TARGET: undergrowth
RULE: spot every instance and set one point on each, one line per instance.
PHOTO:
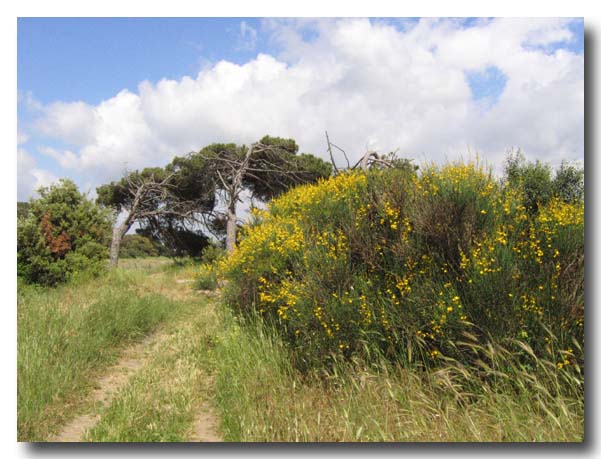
(262, 397)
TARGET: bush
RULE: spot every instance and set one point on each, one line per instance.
(206, 278)
(63, 233)
(568, 184)
(407, 265)
(533, 181)
(212, 253)
(137, 246)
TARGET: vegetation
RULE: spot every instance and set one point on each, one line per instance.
(444, 306)
(67, 335)
(408, 264)
(156, 197)
(137, 246)
(160, 402)
(169, 202)
(387, 304)
(62, 234)
(262, 397)
(536, 184)
(22, 209)
(265, 169)
(172, 239)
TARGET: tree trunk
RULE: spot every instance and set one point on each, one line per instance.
(233, 191)
(118, 233)
(365, 159)
(230, 238)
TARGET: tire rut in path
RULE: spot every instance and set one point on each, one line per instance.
(204, 427)
(131, 360)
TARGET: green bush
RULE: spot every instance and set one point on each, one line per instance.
(63, 234)
(533, 181)
(407, 264)
(568, 183)
(212, 253)
(137, 246)
(206, 279)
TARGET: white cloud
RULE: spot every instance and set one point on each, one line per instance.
(21, 137)
(247, 37)
(367, 83)
(72, 122)
(66, 158)
(29, 176)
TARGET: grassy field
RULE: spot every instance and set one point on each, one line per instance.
(69, 335)
(201, 359)
(262, 398)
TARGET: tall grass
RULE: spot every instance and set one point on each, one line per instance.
(261, 396)
(67, 334)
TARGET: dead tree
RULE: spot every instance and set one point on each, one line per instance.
(330, 145)
(266, 169)
(143, 195)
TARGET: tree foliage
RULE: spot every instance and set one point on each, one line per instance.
(173, 202)
(22, 209)
(569, 182)
(62, 234)
(173, 238)
(154, 196)
(138, 246)
(538, 186)
(266, 169)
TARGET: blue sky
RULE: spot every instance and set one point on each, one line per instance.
(430, 88)
(92, 59)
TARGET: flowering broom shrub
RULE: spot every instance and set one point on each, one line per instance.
(410, 264)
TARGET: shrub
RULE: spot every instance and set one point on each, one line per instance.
(206, 279)
(63, 233)
(568, 183)
(212, 253)
(533, 181)
(173, 240)
(409, 264)
(137, 246)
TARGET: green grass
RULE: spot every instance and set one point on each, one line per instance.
(261, 397)
(159, 402)
(68, 334)
(149, 264)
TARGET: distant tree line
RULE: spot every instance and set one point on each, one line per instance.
(175, 207)
(178, 207)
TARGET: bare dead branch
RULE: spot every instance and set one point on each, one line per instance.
(331, 155)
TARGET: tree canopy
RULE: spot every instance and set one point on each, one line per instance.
(265, 169)
(155, 197)
(62, 233)
(171, 202)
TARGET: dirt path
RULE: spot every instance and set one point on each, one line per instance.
(205, 425)
(131, 360)
(134, 358)
(204, 428)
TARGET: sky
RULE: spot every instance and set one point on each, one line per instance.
(99, 96)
